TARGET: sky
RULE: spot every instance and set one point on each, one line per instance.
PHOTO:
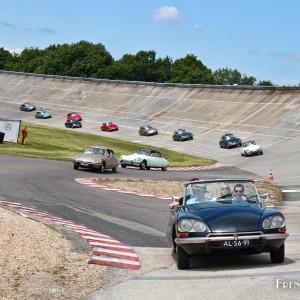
(259, 38)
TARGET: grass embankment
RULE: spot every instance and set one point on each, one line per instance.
(59, 144)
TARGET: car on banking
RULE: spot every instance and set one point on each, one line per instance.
(73, 124)
(182, 135)
(215, 224)
(74, 116)
(98, 158)
(43, 114)
(27, 106)
(251, 148)
(228, 140)
(109, 126)
(147, 130)
(144, 158)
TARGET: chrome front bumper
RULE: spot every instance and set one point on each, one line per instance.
(203, 240)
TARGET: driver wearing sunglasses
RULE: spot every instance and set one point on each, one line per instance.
(238, 192)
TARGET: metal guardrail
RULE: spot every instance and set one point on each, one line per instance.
(179, 85)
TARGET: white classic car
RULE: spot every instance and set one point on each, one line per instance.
(251, 148)
(144, 159)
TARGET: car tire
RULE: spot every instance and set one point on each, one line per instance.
(180, 139)
(101, 169)
(183, 259)
(164, 169)
(147, 168)
(76, 167)
(143, 165)
(261, 152)
(227, 146)
(123, 166)
(277, 256)
(114, 170)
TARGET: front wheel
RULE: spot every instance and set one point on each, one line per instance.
(123, 166)
(114, 170)
(143, 165)
(277, 256)
(101, 169)
(183, 259)
(76, 167)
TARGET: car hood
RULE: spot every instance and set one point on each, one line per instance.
(88, 157)
(185, 134)
(229, 217)
(132, 156)
(252, 147)
(234, 139)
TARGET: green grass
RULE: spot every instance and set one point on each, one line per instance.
(59, 144)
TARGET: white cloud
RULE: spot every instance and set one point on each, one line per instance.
(47, 30)
(286, 55)
(167, 14)
(198, 27)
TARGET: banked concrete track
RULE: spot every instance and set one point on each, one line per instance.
(270, 115)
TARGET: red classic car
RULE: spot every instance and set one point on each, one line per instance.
(109, 126)
(74, 116)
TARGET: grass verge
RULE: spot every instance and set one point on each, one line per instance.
(60, 144)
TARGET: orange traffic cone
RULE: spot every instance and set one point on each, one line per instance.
(270, 175)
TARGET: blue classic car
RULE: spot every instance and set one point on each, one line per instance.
(42, 114)
(228, 140)
(219, 217)
(182, 135)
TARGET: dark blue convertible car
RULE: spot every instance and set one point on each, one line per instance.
(218, 217)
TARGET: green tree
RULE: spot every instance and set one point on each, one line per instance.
(5, 58)
(265, 83)
(82, 59)
(190, 70)
(227, 76)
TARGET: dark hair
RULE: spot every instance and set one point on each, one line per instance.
(239, 185)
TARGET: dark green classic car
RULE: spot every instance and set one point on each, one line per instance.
(182, 135)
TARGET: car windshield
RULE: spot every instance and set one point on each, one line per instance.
(220, 192)
(93, 150)
(142, 151)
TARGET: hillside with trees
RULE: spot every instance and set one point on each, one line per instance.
(88, 60)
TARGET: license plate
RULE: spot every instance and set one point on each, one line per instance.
(235, 244)
(84, 164)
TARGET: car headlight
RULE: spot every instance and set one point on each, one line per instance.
(76, 157)
(137, 160)
(276, 221)
(190, 225)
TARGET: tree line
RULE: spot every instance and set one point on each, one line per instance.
(88, 60)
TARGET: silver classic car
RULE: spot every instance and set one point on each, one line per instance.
(148, 130)
(144, 159)
(96, 157)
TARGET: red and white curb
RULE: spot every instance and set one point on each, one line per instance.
(195, 168)
(90, 182)
(106, 250)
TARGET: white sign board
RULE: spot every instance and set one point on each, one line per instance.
(11, 129)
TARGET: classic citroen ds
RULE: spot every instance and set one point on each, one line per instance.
(96, 157)
(218, 217)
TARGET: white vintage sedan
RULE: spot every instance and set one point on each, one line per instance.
(144, 159)
(251, 148)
